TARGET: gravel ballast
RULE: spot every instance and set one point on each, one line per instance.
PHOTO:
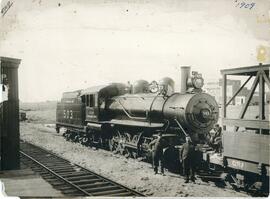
(129, 172)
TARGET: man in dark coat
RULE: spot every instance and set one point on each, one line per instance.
(215, 139)
(187, 155)
(157, 153)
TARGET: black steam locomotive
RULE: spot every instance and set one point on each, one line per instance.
(126, 118)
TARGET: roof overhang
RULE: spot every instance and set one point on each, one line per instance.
(12, 62)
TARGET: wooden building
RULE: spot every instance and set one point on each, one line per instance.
(9, 114)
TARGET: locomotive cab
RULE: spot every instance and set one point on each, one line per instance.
(96, 100)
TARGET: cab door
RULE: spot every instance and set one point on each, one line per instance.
(92, 107)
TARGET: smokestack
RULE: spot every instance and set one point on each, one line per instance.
(185, 73)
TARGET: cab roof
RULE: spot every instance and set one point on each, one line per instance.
(107, 90)
(93, 89)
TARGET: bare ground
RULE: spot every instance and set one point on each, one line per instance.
(129, 172)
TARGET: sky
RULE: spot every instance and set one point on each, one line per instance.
(73, 44)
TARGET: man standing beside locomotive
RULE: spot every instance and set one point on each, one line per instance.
(158, 153)
(215, 139)
(187, 155)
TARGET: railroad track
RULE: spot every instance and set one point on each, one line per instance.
(71, 179)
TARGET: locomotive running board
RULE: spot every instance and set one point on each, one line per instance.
(69, 125)
(136, 123)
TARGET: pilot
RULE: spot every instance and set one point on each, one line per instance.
(158, 152)
(187, 156)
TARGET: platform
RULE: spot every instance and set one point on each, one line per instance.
(27, 184)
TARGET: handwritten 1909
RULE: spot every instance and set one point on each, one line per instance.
(244, 4)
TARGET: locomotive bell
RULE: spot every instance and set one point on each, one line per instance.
(167, 84)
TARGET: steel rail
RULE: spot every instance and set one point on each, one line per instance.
(34, 149)
(66, 181)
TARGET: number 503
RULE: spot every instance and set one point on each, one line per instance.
(68, 114)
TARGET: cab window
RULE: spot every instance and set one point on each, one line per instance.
(87, 100)
(83, 99)
(91, 100)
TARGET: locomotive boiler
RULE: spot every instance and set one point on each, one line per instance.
(126, 118)
(193, 111)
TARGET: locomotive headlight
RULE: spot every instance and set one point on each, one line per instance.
(198, 82)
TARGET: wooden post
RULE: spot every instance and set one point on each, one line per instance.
(261, 99)
(224, 97)
(1, 115)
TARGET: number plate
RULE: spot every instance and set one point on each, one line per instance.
(237, 164)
